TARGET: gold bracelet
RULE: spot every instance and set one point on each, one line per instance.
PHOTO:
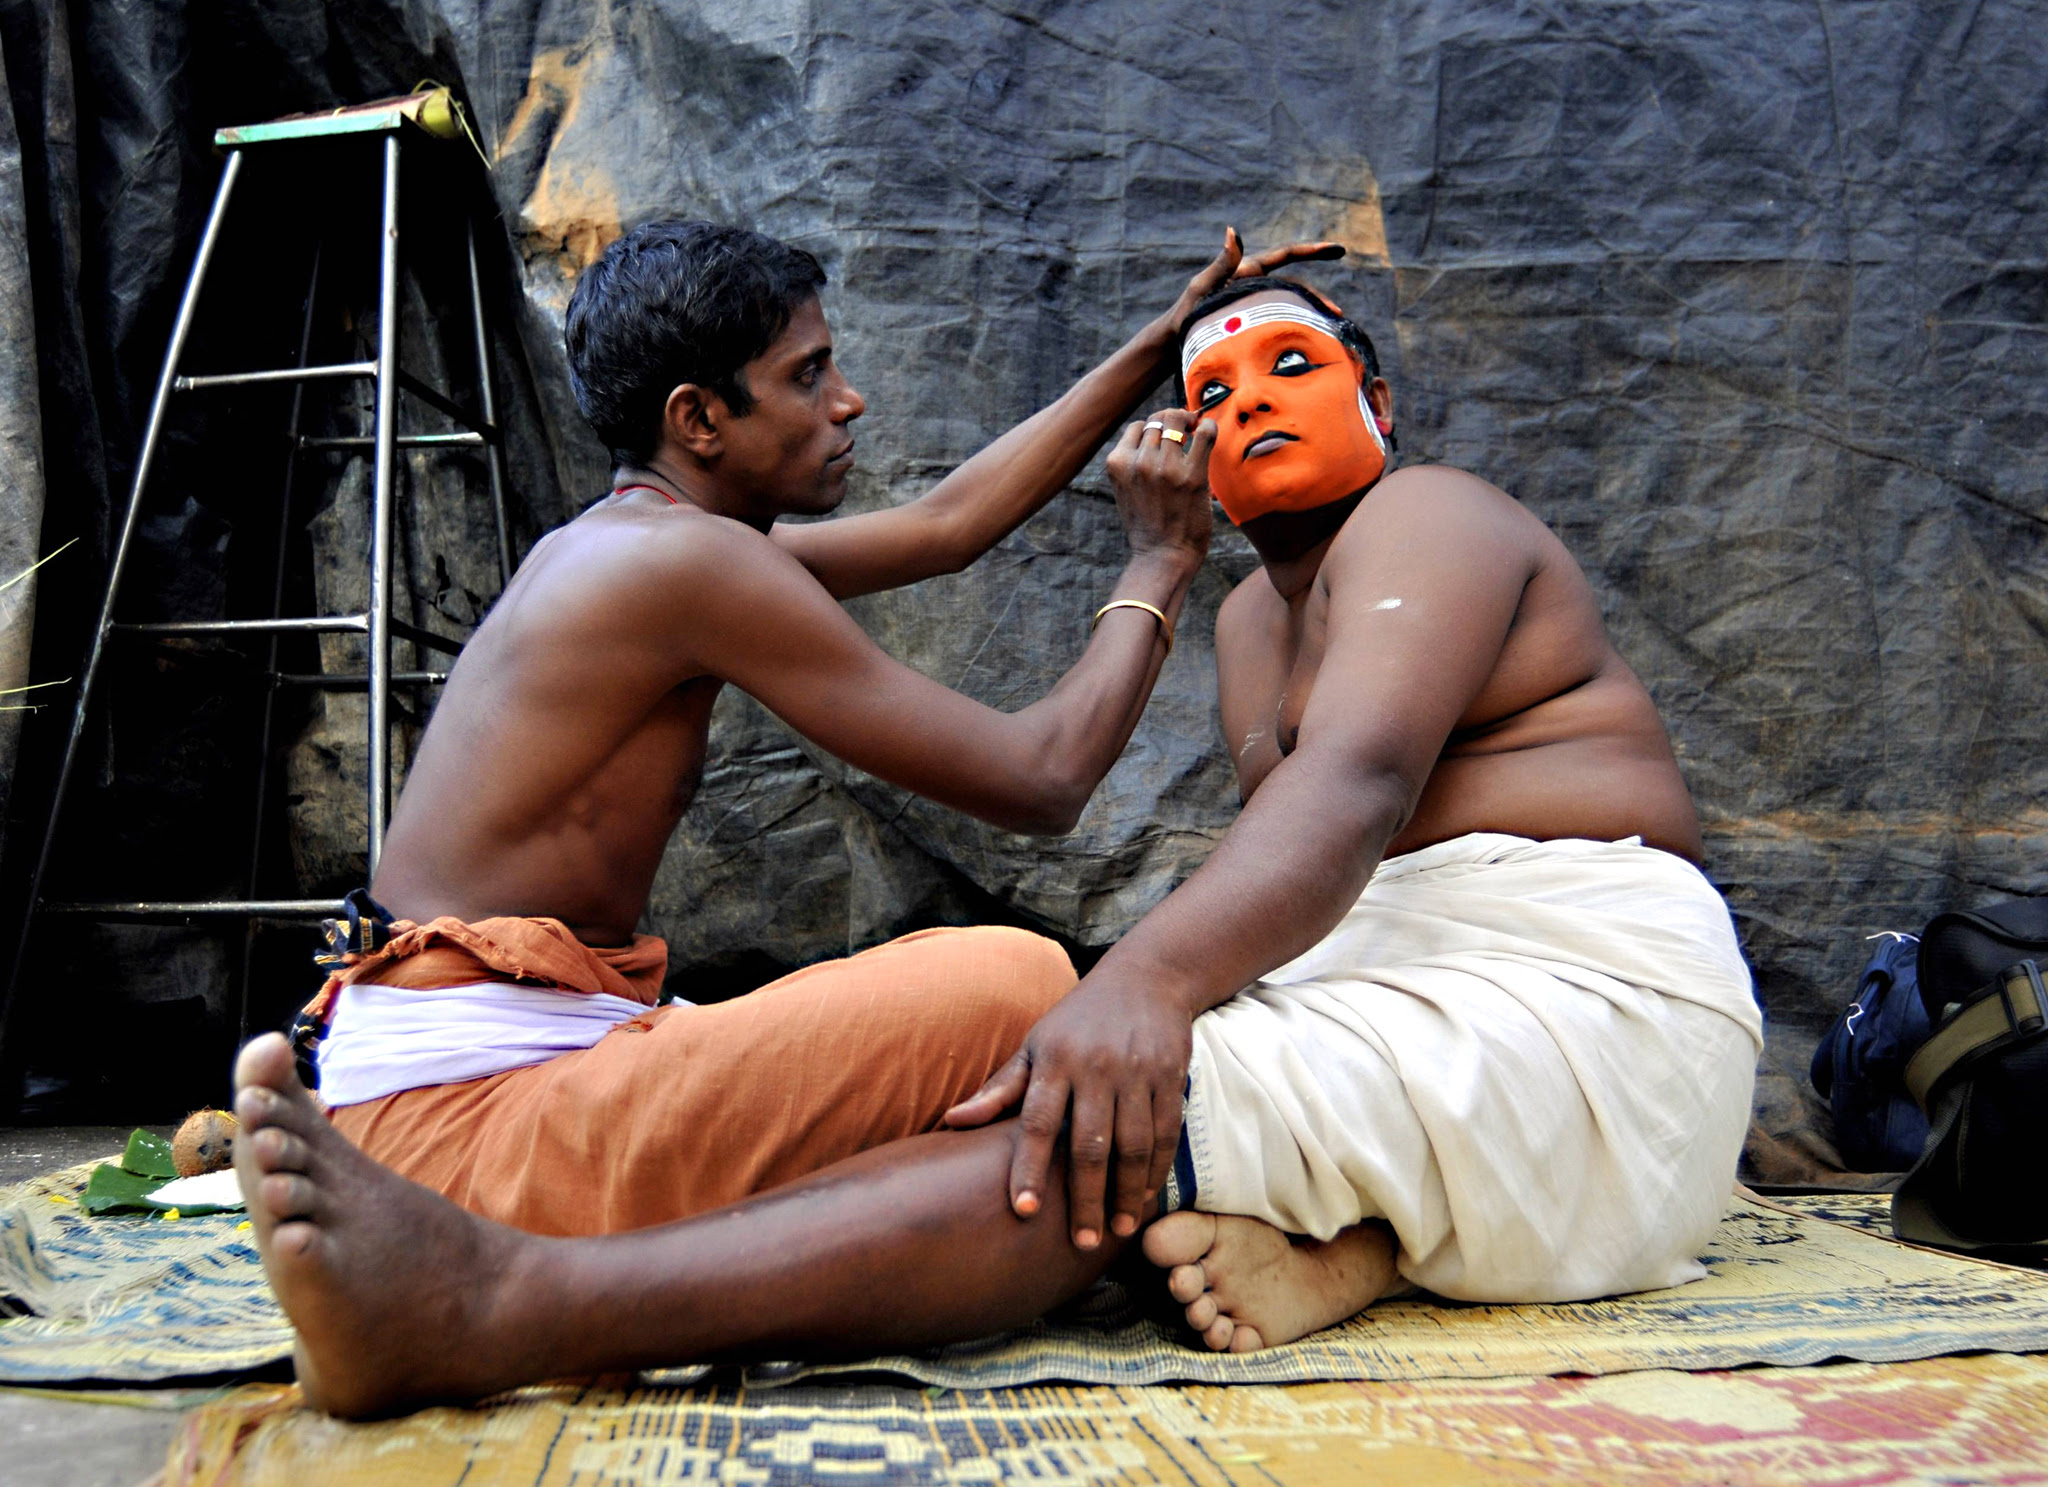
(1165, 626)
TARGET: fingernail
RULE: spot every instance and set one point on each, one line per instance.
(1027, 1204)
(1123, 1226)
(1086, 1238)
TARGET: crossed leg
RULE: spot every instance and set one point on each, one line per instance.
(400, 1298)
(1246, 1285)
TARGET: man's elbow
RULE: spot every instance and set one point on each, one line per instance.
(1382, 802)
(1049, 805)
(1045, 818)
(1358, 801)
(948, 546)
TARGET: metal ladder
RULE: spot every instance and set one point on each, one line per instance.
(397, 124)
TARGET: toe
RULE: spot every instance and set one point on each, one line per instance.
(1218, 1334)
(1246, 1340)
(258, 1105)
(294, 1241)
(265, 1061)
(1179, 1239)
(1202, 1313)
(1186, 1282)
(278, 1150)
(286, 1195)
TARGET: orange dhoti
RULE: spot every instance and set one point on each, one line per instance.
(685, 1108)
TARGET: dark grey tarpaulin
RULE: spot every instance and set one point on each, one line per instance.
(1747, 301)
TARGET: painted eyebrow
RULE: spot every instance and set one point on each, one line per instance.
(1203, 379)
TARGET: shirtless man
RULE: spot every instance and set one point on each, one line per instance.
(490, 1029)
(1450, 998)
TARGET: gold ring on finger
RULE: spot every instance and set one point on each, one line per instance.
(1174, 434)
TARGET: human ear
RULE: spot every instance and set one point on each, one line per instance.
(1380, 398)
(692, 419)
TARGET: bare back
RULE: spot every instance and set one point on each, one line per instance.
(1561, 739)
(564, 750)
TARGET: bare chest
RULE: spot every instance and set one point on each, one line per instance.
(1267, 674)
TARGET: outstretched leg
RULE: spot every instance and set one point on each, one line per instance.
(1246, 1285)
(400, 1298)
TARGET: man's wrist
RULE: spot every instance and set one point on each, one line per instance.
(1172, 563)
(1159, 336)
(1136, 971)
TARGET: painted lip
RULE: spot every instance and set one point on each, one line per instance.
(1266, 443)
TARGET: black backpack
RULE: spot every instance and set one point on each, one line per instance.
(1859, 1066)
(1982, 1078)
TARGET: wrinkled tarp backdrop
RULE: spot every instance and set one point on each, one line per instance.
(1746, 300)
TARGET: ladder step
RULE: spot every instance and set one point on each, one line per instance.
(282, 374)
(319, 624)
(259, 908)
(357, 681)
(465, 439)
(426, 638)
(447, 405)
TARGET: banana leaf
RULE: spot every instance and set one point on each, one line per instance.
(148, 1156)
(144, 1167)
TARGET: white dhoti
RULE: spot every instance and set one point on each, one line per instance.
(1533, 1060)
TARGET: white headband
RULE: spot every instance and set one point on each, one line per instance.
(1217, 329)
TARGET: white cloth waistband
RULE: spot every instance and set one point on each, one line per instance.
(384, 1039)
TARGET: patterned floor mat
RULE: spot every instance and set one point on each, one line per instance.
(1980, 1420)
(140, 1299)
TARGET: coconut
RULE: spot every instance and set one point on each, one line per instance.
(204, 1143)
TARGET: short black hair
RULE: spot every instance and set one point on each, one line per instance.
(674, 302)
(1349, 332)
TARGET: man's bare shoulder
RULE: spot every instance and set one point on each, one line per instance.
(1427, 517)
(1442, 496)
(666, 561)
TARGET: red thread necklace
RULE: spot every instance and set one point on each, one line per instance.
(620, 490)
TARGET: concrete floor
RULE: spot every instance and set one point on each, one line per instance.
(96, 1437)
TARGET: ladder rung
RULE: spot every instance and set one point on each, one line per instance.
(351, 681)
(426, 638)
(260, 908)
(445, 404)
(282, 374)
(319, 624)
(465, 438)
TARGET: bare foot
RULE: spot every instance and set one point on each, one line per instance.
(392, 1288)
(1246, 1285)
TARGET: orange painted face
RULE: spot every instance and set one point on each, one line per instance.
(1293, 430)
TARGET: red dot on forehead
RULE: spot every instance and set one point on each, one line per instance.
(1233, 325)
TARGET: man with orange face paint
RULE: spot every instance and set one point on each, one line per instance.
(1318, 440)
(1451, 1005)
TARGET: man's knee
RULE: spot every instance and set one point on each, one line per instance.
(974, 991)
(996, 965)
(1026, 975)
